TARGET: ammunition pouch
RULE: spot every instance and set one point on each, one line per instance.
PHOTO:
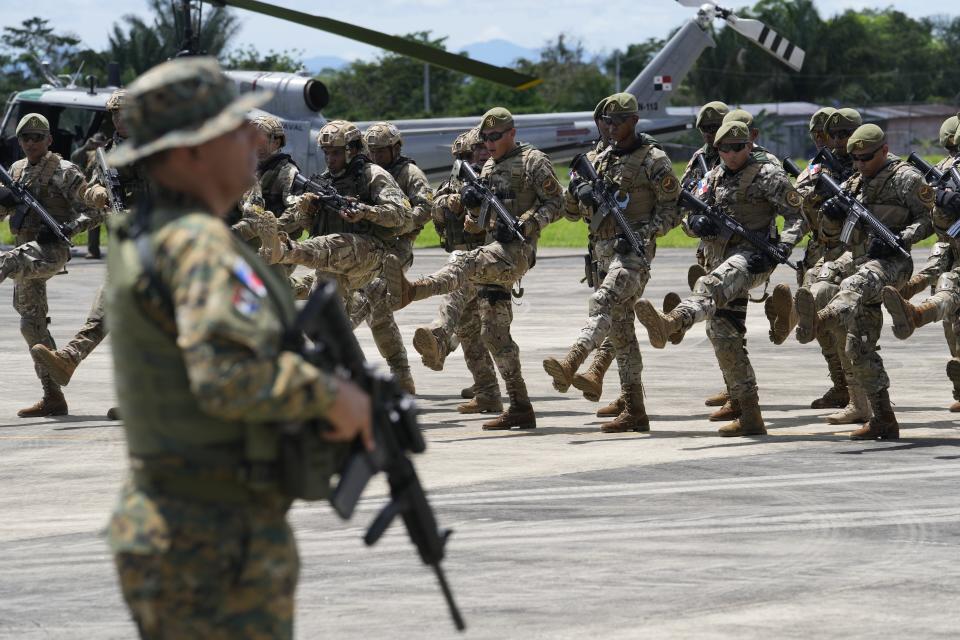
(622, 246)
(307, 462)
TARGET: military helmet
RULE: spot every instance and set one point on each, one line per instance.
(819, 118)
(712, 114)
(382, 134)
(461, 146)
(948, 130)
(116, 100)
(339, 133)
(271, 126)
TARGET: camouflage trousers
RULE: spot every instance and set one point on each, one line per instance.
(30, 265)
(92, 333)
(856, 308)
(720, 298)
(823, 280)
(946, 300)
(611, 309)
(939, 261)
(353, 259)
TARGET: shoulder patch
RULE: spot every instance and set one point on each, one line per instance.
(551, 186)
(926, 194)
(249, 277)
(793, 198)
(669, 183)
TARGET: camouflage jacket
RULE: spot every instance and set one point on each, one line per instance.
(276, 179)
(60, 187)
(414, 184)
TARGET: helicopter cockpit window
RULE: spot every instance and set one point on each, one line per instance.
(70, 127)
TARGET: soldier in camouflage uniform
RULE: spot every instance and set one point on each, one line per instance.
(741, 115)
(458, 320)
(754, 191)
(897, 195)
(351, 244)
(199, 536)
(637, 166)
(275, 169)
(85, 159)
(524, 179)
(62, 363)
(38, 255)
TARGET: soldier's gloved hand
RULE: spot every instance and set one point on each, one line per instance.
(99, 197)
(70, 228)
(575, 183)
(470, 196)
(702, 225)
(786, 248)
(949, 201)
(7, 198)
(529, 227)
(586, 196)
(878, 249)
(759, 262)
(357, 211)
(834, 209)
(307, 203)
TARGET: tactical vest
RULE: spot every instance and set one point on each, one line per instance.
(355, 182)
(270, 183)
(882, 202)
(507, 178)
(753, 212)
(454, 235)
(941, 219)
(40, 184)
(628, 174)
(133, 180)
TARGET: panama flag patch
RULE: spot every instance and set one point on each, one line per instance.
(663, 83)
(703, 188)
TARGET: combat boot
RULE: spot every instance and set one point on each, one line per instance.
(52, 404)
(750, 422)
(670, 302)
(113, 413)
(432, 345)
(907, 317)
(809, 320)
(562, 371)
(405, 380)
(519, 414)
(613, 409)
(717, 399)
(634, 414)
(857, 409)
(467, 392)
(729, 411)
(836, 396)
(915, 285)
(58, 364)
(883, 425)
(953, 372)
(694, 273)
(590, 383)
(780, 313)
(401, 292)
(482, 404)
(660, 327)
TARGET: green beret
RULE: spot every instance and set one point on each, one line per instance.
(33, 123)
(496, 117)
(739, 115)
(621, 103)
(845, 118)
(866, 138)
(733, 131)
(819, 119)
(948, 130)
(598, 110)
(712, 113)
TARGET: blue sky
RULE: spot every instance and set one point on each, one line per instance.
(602, 26)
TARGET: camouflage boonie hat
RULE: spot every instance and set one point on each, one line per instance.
(842, 119)
(496, 117)
(33, 123)
(948, 131)
(621, 103)
(866, 138)
(338, 133)
(598, 110)
(739, 115)
(270, 125)
(712, 113)
(732, 132)
(818, 120)
(181, 103)
(116, 100)
(381, 134)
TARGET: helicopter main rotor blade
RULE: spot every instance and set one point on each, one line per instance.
(774, 44)
(419, 51)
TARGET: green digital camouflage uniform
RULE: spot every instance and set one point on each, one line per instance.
(199, 534)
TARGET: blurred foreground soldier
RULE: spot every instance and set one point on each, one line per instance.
(62, 363)
(899, 198)
(39, 254)
(753, 191)
(638, 167)
(523, 179)
(199, 536)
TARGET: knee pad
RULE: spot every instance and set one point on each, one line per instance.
(706, 285)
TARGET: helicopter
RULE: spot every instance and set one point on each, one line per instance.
(77, 112)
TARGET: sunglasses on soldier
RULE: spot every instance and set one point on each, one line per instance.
(32, 137)
(710, 128)
(492, 136)
(864, 157)
(840, 134)
(616, 120)
(731, 147)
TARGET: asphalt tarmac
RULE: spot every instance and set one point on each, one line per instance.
(562, 532)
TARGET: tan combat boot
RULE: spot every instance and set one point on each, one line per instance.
(780, 313)
(694, 273)
(613, 409)
(56, 363)
(634, 414)
(562, 371)
(806, 307)
(729, 411)
(590, 383)
(52, 404)
(432, 345)
(519, 414)
(916, 284)
(857, 409)
(481, 404)
(883, 425)
(750, 422)
(907, 317)
(717, 399)
(401, 291)
(660, 327)
(670, 302)
(837, 396)
(467, 392)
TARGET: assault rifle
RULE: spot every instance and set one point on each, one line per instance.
(26, 203)
(326, 192)
(730, 226)
(704, 170)
(949, 179)
(609, 203)
(111, 180)
(333, 346)
(466, 173)
(858, 212)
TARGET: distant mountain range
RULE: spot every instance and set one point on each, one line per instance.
(498, 52)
